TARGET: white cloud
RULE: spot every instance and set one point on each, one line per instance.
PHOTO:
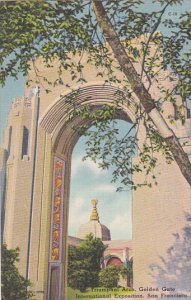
(78, 164)
(121, 227)
(78, 214)
(106, 188)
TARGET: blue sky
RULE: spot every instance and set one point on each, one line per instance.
(12, 89)
(88, 181)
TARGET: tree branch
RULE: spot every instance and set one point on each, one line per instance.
(141, 92)
(151, 35)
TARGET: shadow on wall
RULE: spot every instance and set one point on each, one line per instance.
(174, 271)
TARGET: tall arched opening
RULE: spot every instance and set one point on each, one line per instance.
(95, 207)
(62, 139)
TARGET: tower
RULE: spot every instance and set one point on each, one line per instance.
(17, 172)
(94, 226)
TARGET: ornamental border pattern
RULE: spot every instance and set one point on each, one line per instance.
(57, 210)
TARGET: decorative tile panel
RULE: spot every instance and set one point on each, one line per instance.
(57, 210)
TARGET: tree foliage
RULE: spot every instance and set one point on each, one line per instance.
(127, 271)
(64, 30)
(84, 263)
(13, 285)
(109, 276)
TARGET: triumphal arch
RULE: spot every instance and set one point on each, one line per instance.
(35, 176)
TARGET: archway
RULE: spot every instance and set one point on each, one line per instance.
(114, 261)
(59, 126)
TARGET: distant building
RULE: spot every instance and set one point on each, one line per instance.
(118, 252)
(94, 226)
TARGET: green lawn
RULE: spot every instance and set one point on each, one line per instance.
(72, 294)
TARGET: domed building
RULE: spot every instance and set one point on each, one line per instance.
(94, 226)
(118, 252)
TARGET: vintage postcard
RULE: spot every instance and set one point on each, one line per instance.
(95, 152)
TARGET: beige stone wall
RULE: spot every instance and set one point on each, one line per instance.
(39, 251)
(158, 214)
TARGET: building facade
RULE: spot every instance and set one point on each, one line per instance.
(35, 181)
